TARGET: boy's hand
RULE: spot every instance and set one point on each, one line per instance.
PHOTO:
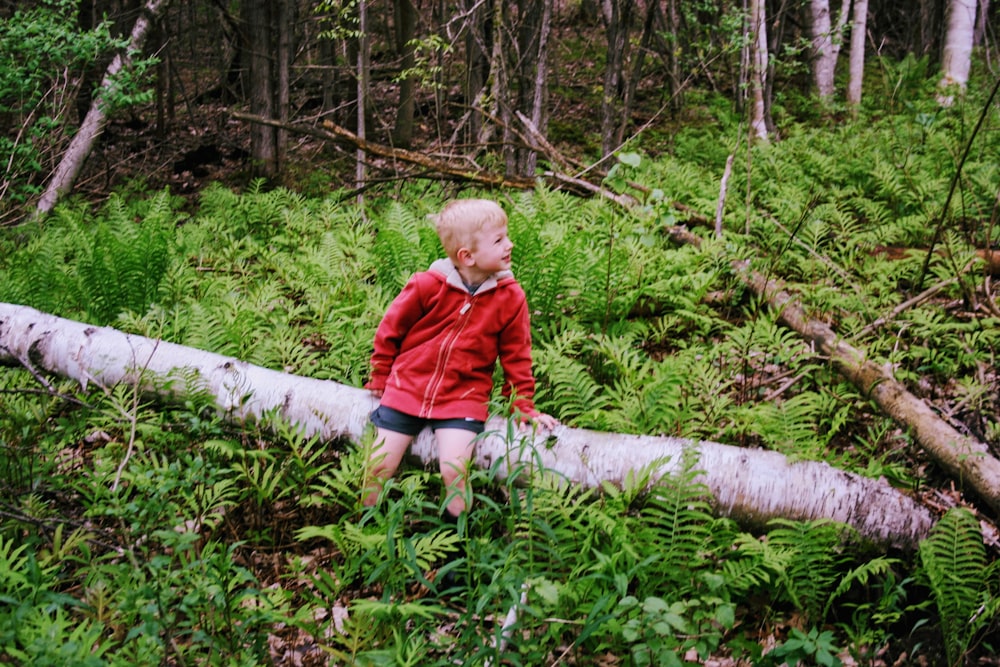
(541, 419)
(375, 390)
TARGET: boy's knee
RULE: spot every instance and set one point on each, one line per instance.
(451, 472)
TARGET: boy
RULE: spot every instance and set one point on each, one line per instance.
(438, 344)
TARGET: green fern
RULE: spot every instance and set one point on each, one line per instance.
(565, 384)
(954, 566)
(124, 262)
(814, 570)
(648, 396)
(677, 514)
(403, 246)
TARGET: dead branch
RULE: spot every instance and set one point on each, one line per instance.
(964, 458)
(721, 205)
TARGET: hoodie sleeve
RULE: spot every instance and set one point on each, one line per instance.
(404, 311)
(515, 359)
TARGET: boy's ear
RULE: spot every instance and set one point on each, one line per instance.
(464, 255)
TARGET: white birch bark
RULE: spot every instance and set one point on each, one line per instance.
(751, 486)
(956, 56)
(64, 177)
(856, 63)
(826, 42)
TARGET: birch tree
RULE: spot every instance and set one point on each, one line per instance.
(751, 486)
(826, 42)
(64, 177)
(956, 56)
(859, 29)
(757, 69)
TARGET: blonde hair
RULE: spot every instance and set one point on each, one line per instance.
(461, 220)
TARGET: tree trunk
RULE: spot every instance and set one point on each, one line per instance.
(405, 29)
(758, 70)
(859, 30)
(617, 21)
(478, 53)
(929, 26)
(64, 178)
(287, 18)
(826, 41)
(631, 86)
(673, 54)
(258, 19)
(956, 56)
(362, 94)
(981, 21)
(540, 87)
(751, 486)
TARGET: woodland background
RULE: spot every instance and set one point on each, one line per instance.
(715, 206)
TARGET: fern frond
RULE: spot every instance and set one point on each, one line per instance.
(564, 383)
(401, 246)
(124, 263)
(678, 512)
(811, 575)
(953, 558)
(438, 546)
(877, 567)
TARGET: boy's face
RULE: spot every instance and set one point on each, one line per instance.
(492, 249)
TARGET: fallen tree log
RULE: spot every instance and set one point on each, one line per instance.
(452, 168)
(966, 459)
(750, 486)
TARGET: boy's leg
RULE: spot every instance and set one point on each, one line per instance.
(455, 447)
(389, 449)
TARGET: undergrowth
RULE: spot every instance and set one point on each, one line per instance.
(139, 532)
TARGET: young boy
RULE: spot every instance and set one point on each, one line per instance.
(437, 346)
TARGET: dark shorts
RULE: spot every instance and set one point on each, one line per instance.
(400, 422)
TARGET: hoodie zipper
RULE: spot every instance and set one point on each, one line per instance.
(444, 353)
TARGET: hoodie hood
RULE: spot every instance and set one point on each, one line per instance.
(446, 268)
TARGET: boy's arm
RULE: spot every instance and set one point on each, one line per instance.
(402, 313)
(515, 359)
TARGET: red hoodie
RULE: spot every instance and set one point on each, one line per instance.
(437, 346)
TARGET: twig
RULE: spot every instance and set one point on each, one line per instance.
(906, 305)
(509, 621)
(722, 195)
(133, 420)
(775, 393)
